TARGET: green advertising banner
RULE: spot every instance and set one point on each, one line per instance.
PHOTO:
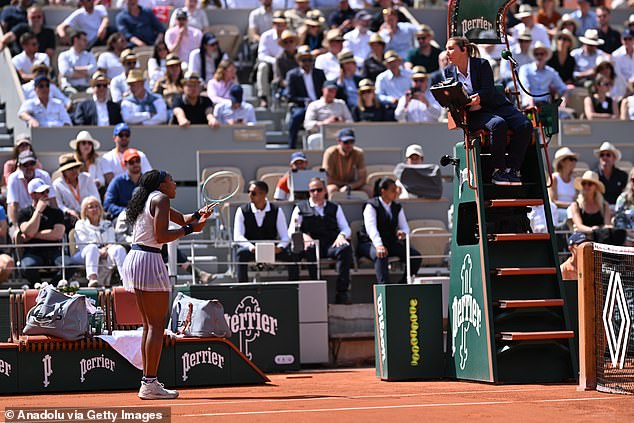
(408, 332)
(8, 368)
(480, 21)
(469, 352)
(264, 320)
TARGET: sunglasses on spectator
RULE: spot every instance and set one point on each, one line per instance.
(253, 192)
(306, 60)
(134, 161)
(348, 141)
(316, 190)
(586, 183)
(131, 63)
(28, 164)
(45, 85)
(422, 38)
(628, 38)
(539, 54)
(605, 84)
(606, 154)
(572, 159)
(124, 134)
(101, 85)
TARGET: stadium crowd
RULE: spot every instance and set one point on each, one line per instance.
(362, 62)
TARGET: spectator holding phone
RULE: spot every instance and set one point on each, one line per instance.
(235, 111)
(327, 109)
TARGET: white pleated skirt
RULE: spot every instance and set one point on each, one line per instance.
(145, 271)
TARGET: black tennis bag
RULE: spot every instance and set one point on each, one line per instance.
(422, 180)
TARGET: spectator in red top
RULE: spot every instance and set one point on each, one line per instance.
(298, 162)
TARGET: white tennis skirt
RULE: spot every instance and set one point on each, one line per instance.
(145, 271)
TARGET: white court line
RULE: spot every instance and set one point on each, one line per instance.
(347, 397)
(386, 407)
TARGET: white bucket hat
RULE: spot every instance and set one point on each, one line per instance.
(608, 146)
(561, 154)
(84, 136)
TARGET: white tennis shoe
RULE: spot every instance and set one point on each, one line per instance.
(156, 391)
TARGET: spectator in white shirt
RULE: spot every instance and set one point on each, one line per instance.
(109, 61)
(623, 57)
(91, 19)
(44, 110)
(24, 61)
(72, 187)
(118, 85)
(142, 107)
(156, 64)
(114, 162)
(40, 68)
(399, 36)
(76, 65)
(358, 40)
(418, 104)
(17, 193)
(327, 109)
(395, 81)
(85, 148)
(588, 56)
(182, 39)
(235, 111)
(260, 20)
(197, 16)
(328, 62)
(538, 31)
(206, 59)
(268, 51)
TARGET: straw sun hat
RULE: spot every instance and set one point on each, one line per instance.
(561, 154)
(589, 176)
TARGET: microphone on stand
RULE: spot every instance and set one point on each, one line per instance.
(507, 55)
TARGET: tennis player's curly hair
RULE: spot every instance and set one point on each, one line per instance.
(148, 183)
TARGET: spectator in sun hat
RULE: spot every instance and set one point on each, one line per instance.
(613, 178)
(85, 148)
(286, 60)
(282, 189)
(528, 15)
(590, 211)
(118, 85)
(418, 104)
(236, 111)
(374, 65)
(43, 110)
(348, 80)
(521, 54)
(191, 108)
(369, 108)
(569, 267)
(328, 62)
(588, 55)
(393, 83)
(115, 163)
(98, 110)
(537, 77)
(41, 68)
(562, 191)
(72, 187)
(345, 165)
(182, 39)
(40, 223)
(142, 107)
(21, 142)
(561, 59)
(169, 85)
(268, 51)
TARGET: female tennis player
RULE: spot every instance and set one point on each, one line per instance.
(144, 272)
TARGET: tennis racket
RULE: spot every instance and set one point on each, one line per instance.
(219, 187)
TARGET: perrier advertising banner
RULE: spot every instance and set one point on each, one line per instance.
(478, 20)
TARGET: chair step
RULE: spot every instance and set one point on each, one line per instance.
(519, 237)
(535, 336)
(515, 202)
(550, 302)
(521, 271)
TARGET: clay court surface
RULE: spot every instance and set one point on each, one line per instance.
(356, 395)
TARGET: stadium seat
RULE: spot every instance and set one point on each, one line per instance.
(353, 195)
(375, 176)
(370, 169)
(263, 170)
(580, 168)
(229, 37)
(434, 244)
(624, 165)
(208, 171)
(271, 180)
(426, 223)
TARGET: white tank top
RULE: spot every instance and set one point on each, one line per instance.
(630, 107)
(565, 190)
(143, 232)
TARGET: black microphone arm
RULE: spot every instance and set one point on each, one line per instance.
(507, 55)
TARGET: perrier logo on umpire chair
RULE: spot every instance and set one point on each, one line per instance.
(509, 322)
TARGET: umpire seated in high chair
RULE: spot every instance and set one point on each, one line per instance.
(323, 220)
(490, 110)
(260, 220)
